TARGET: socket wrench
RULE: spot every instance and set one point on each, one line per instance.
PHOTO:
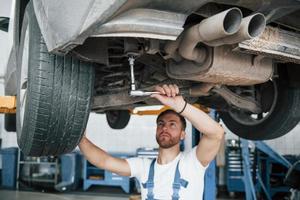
(139, 93)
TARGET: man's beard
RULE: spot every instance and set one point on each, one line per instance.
(167, 142)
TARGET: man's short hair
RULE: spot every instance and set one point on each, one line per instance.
(170, 111)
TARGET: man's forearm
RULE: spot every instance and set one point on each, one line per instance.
(203, 122)
(92, 153)
(102, 159)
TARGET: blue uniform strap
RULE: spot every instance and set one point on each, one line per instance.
(177, 183)
(150, 182)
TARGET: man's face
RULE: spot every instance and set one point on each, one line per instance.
(169, 131)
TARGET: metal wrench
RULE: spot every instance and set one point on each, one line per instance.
(133, 92)
(138, 93)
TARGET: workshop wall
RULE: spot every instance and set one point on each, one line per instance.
(285, 145)
(8, 139)
(140, 132)
(4, 39)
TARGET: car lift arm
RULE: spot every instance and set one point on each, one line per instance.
(8, 104)
(248, 181)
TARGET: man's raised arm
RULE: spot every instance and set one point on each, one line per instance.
(212, 136)
(212, 131)
(102, 159)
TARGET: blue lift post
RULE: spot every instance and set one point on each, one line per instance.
(210, 188)
(247, 175)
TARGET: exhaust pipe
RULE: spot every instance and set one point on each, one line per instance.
(251, 27)
(218, 26)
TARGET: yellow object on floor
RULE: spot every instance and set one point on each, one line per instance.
(135, 197)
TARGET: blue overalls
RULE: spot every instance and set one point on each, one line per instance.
(177, 183)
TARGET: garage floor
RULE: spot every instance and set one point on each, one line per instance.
(27, 195)
(21, 195)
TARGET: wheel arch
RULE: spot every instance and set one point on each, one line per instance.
(290, 73)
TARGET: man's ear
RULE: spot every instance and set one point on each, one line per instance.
(182, 135)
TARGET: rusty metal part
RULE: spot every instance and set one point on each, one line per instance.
(202, 89)
(241, 102)
(171, 49)
(114, 100)
(275, 43)
(152, 47)
(210, 29)
(122, 98)
(224, 67)
(251, 27)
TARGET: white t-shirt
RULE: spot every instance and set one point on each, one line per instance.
(190, 170)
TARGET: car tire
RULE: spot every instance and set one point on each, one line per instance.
(53, 96)
(117, 119)
(283, 116)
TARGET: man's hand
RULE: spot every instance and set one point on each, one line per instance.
(169, 96)
(212, 132)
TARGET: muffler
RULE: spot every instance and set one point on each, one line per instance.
(224, 67)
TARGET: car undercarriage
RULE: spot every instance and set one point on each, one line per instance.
(240, 58)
